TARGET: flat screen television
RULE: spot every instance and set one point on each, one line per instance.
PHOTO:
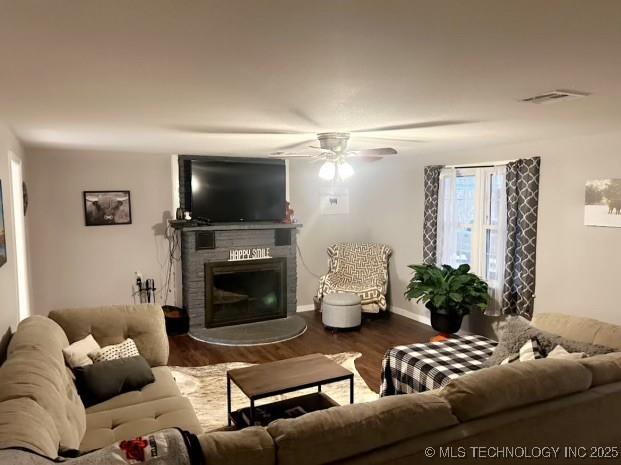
(228, 190)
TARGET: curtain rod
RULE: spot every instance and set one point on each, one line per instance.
(483, 165)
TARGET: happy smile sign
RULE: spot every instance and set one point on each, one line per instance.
(256, 253)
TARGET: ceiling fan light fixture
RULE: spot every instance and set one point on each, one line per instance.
(346, 171)
(327, 171)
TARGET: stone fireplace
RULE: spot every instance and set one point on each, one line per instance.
(238, 273)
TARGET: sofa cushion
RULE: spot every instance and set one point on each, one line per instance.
(580, 329)
(143, 323)
(496, 389)
(249, 446)
(25, 424)
(163, 386)
(518, 331)
(605, 368)
(108, 426)
(358, 428)
(35, 368)
(38, 331)
(104, 380)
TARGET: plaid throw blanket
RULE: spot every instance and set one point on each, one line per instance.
(422, 367)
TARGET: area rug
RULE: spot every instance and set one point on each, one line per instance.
(205, 386)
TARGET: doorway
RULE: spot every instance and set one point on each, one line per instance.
(19, 225)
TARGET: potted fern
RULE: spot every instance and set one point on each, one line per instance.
(449, 294)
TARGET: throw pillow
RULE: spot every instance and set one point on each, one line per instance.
(76, 355)
(4, 345)
(518, 331)
(560, 352)
(101, 381)
(125, 349)
(531, 350)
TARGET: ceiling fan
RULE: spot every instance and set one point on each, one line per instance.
(333, 152)
(332, 148)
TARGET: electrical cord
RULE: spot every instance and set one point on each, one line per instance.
(304, 263)
(174, 255)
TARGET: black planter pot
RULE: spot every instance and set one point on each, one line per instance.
(447, 324)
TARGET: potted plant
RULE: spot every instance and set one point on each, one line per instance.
(449, 294)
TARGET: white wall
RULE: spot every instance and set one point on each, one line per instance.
(320, 231)
(74, 265)
(9, 312)
(577, 266)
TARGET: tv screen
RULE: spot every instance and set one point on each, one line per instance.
(232, 190)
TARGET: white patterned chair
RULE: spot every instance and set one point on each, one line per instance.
(360, 268)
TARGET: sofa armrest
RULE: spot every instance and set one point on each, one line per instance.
(250, 445)
(143, 323)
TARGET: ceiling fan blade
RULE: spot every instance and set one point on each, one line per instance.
(327, 151)
(425, 124)
(291, 155)
(368, 158)
(234, 130)
(294, 145)
(372, 152)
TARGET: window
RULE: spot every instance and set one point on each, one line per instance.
(472, 222)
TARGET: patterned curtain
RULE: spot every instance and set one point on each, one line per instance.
(430, 225)
(520, 258)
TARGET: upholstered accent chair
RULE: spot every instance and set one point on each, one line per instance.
(360, 268)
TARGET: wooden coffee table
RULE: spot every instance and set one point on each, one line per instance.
(274, 378)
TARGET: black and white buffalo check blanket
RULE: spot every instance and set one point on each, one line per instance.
(422, 367)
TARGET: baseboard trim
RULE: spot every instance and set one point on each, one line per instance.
(305, 308)
(411, 315)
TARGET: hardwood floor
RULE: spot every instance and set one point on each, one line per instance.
(374, 338)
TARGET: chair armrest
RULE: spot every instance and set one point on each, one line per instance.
(143, 323)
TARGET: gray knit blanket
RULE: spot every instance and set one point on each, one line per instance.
(166, 447)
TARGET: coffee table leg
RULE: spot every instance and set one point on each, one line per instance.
(251, 412)
(228, 399)
(319, 388)
(351, 390)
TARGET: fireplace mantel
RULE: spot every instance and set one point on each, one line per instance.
(235, 226)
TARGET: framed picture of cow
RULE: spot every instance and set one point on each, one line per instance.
(107, 208)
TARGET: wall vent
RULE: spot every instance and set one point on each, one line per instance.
(555, 96)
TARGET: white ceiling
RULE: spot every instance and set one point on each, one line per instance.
(194, 76)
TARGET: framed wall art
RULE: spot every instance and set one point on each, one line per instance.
(107, 208)
(602, 203)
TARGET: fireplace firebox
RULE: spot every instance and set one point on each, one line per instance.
(245, 291)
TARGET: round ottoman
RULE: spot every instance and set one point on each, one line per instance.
(341, 310)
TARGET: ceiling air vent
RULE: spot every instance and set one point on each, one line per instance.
(555, 96)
